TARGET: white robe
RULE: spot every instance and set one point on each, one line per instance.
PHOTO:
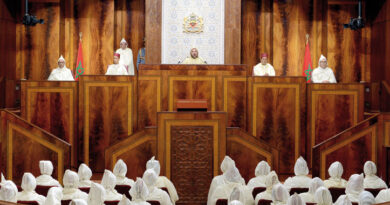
(163, 181)
(124, 181)
(112, 195)
(72, 193)
(374, 182)
(47, 180)
(63, 74)
(116, 69)
(156, 194)
(336, 183)
(190, 60)
(301, 181)
(307, 197)
(383, 196)
(218, 180)
(265, 195)
(223, 192)
(126, 59)
(258, 181)
(261, 70)
(319, 75)
(31, 196)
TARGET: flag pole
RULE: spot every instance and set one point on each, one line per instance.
(307, 38)
(81, 35)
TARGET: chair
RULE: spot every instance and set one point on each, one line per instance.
(43, 190)
(374, 191)
(111, 202)
(166, 190)
(85, 189)
(311, 203)
(153, 202)
(298, 190)
(28, 202)
(257, 190)
(222, 202)
(123, 189)
(65, 202)
(264, 202)
(336, 192)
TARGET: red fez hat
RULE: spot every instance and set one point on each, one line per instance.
(264, 55)
(117, 55)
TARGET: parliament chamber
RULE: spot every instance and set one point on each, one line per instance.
(191, 116)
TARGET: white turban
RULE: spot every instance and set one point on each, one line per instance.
(279, 194)
(322, 58)
(366, 198)
(71, 179)
(271, 179)
(46, 167)
(96, 194)
(139, 190)
(108, 180)
(262, 169)
(323, 196)
(369, 168)
(154, 164)
(343, 200)
(120, 168)
(8, 192)
(124, 200)
(61, 59)
(226, 163)
(84, 172)
(78, 202)
(235, 202)
(150, 178)
(54, 196)
(123, 41)
(355, 184)
(300, 167)
(315, 184)
(233, 175)
(28, 182)
(295, 199)
(336, 170)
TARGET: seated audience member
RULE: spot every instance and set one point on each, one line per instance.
(46, 179)
(71, 189)
(335, 172)
(162, 181)
(155, 193)
(315, 183)
(354, 187)
(85, 175)
(261, 172)
(8, 191)
(218, 180)
(383, 196)
(366, 198)
(323, 197)
(28, 194)
(124, 201)
(343, 200)
(78, 202)
(263, 68)
(116, 68)
(96, 195)
(139, 193)
(270, 181)
(236, 195)
(371, 180)
(54, 196)
(280, 195)
(235, 202)
(120, 171)
(109, 182)
(61, 73)
(300, 180)
(295, 199)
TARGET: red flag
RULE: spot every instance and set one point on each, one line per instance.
(307, 65)
(80, 64)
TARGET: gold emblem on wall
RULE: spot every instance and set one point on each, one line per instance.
(193, 24)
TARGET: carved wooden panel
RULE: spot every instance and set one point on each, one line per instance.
(192, 161)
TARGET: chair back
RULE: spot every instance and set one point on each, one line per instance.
(111, 202)
(123, 189)
(257, 190)
(28, 202)
(222, 202)
(43, 190)
(298, 190)
(65, 202)
(264, 202)
(336, 193)
(152, 202)
(374, 192)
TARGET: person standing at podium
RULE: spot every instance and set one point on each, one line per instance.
(194, 58)
(263, 68)
(62, 72)
(116, 68)
(126, 56)
(323, 74)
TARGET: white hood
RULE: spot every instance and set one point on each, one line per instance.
(8, 191)
(154, 164)
(139, 191)
(300, 167)
(323, 196)
(96, 194)
(355, 184)
(262, 169)
(28, 182)
(232, 175)
(295, 199)
(108, 180)
(226, 163)
(46, 167)
(315, 184)
(279, 194)
(71, 179)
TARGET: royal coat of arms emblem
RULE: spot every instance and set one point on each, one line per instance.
(193, 24)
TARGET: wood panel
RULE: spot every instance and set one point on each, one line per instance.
(107, 115)
(352, 148)
(277, 113)
(224, 86)
(232, 32)
(153, 22)
(135, 151)
(24, 145)
(190, 147)
(53, 107)
(247, 151)
(8, 39)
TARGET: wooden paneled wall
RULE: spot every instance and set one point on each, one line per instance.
(279, 28)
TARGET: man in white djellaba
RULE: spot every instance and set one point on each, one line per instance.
(116, 68)
(126, 56)
(62, 73)
(323, 74)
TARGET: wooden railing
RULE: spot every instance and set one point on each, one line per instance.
(23, 145)
(352, 147)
